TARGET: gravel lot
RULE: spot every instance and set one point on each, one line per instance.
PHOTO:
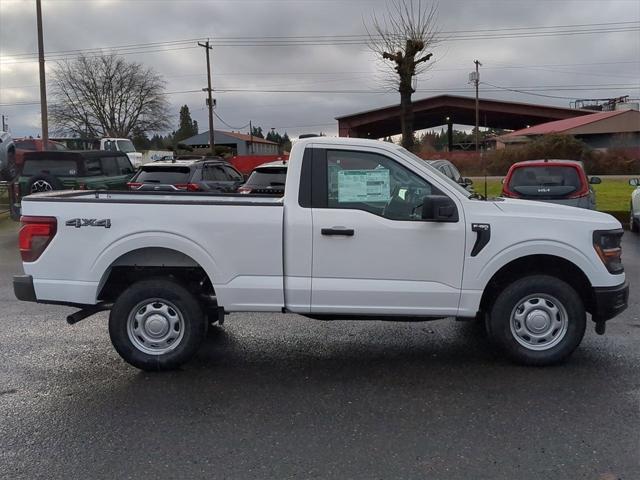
(280, 396)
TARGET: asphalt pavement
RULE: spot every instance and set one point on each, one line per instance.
(281, 396)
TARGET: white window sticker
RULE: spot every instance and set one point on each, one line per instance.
(363, 185)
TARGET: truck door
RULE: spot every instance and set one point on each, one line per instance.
(372, 252)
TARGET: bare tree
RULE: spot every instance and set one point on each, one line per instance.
(401, 40)
(106, 96)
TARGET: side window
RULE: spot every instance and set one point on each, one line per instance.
(214, 173)
(124, 166)
(110, 166)
(232, 174)
(455, 172)
(92, 166)
(376, 184)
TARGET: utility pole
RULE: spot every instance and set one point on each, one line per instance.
(251, 136)
(476, 80)
(43, 84)
(209, 90)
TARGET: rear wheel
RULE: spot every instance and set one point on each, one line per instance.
(537, 320)
(156, 325)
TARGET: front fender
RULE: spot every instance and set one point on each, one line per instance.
(592, 267)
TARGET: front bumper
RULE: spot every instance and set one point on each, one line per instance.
(609, 301)
(23, 288)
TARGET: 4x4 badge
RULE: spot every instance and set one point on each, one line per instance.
(88, 222)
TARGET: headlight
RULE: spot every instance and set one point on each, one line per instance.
(607, 245)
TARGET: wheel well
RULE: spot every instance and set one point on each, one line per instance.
(153, 262)
(536, 265)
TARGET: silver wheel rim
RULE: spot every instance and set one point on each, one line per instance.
(539, 322)
(155, 326)
(41, 186)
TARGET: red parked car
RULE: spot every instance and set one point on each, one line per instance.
(24, 145)
(555, 181)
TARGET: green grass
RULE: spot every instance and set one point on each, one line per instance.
(612, 195)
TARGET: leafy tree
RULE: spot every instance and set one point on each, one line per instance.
(106, 96)
(188, 127)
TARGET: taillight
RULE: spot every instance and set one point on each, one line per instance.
(607, 244)
(189, 187)
(133, 185)
(35, 234)
(507, 192)
(583, 192)
(244, 190)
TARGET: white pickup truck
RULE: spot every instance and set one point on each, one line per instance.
(366, 230)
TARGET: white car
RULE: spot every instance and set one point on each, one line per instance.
(365, 230)
(7, 157)
(634, 221)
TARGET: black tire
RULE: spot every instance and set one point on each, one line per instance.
(43, 182)
(10, 170)
(549, 300)
(149, 294)
(633, 223)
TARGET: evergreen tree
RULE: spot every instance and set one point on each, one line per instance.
(188, 127)
(256, 132)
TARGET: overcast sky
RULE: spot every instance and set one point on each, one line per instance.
(573, 64)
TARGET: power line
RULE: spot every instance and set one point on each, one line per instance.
(353, 39)
(230, 126)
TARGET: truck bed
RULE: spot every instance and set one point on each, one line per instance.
(239, 248)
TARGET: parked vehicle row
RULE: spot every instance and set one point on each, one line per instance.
(552, 181)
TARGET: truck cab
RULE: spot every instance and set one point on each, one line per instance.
(122, 145)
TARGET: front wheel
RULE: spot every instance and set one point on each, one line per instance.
(633, 223)
(156, 325)
(537, 320)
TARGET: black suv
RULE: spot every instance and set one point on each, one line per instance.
(207, 174)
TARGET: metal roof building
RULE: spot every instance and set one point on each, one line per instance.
(240, 143)
(598, 130)
(452, 109)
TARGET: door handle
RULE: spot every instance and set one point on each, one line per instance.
(346, 232)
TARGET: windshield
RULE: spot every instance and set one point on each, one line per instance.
(164, 175)
(455, 185)
(126, 146)
(545, 180)
(268, 177)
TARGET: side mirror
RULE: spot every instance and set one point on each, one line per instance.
(502, 180)
(439, 208)
(466, 181)
(595, 180)
(634, 182)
